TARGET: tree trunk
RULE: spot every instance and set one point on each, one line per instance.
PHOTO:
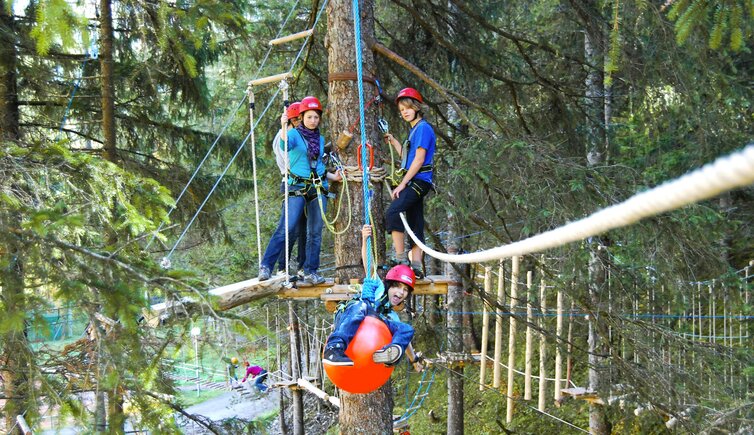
(359, 413)
(116, 418)
(106, 81)
(342, 113)
(596, 150)
(455, 339)
(470, 340)
(8, 87)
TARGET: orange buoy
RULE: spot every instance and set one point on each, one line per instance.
(365, 375)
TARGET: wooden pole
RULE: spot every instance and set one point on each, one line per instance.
(712, 313)
(281, 397)
(271, 79)
(269, 367)
(559, 341)
(699, 309)
(512, 338)
(529, 338)
(485, 327)
(298, 401)
(498, 326)
(25, 429)
(569, 349)
(542, 341)
(317, 392)
(292, 37)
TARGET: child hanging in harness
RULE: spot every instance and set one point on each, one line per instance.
(377, 299)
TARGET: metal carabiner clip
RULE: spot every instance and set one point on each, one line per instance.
(383, 126)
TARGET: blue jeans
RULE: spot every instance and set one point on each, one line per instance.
(301, 240)
(259, 381)
(347, 322)
(297, 206)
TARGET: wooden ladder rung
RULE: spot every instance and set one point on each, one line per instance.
(271, 79)
(293, 37)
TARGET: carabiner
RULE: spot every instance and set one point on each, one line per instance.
(371, 156)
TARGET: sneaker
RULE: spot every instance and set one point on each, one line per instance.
(264, 273)
(313, 278)
(388, 355)
(300, 273)
(418, 270)
(392, 262)
(335, 356)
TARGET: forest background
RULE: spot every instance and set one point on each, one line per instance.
(545, 112)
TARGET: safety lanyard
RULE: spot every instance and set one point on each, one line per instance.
(407, 145)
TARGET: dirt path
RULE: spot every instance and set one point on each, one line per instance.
(232, 404)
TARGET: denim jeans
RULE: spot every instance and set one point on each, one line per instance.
(297, 206)
(300, 239)
(259, 382)
(347, 322)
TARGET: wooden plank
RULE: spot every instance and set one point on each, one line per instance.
(244, 292)
(319, 393)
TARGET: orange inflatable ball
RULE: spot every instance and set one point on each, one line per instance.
(365, 375)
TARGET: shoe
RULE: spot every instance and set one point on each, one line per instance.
(313, 278)
(418, 270)
(264, 273)
(392, 262)
(388, 355)
(335, 356)
(300, 273)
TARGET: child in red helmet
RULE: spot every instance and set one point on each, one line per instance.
(307, 180)
(417, 156)
(376, 300)
(292, 118)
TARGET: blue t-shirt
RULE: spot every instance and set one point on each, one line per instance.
(298, 160)
(421, 136)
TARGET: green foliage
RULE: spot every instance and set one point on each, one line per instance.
(56, 21)
(726, 18)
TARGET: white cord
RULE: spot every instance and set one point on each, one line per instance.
(724, 174)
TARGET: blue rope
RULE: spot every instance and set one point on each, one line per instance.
(92, 53)
(362, 128)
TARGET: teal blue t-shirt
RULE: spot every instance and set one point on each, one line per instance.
(298, 160)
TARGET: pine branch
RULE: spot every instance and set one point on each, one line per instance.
(389, 54)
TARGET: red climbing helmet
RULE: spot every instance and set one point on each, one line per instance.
(293, 110)
(402, 273)
(409, 93)
(310, 103)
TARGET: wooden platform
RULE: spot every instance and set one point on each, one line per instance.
(240, 293)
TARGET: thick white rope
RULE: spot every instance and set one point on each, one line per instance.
(254, 172)
(724, 174)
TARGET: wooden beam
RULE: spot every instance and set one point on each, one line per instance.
(240, 293)
(319, 393)
(271, 79)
